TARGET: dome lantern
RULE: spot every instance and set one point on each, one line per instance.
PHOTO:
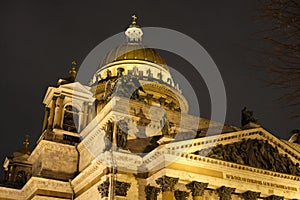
(134, 33)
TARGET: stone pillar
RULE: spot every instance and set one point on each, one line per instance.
(167, 185)
(274, 197)
(85, 114)
(249, 195)
(58, 112)
(114, 139)
(225, 192)
(46, 116)
(122, 188)
(103, 189)
(91, 112)
(181, 195)
(52, 110)
(151, 192)
(197, 189)
(79, 125)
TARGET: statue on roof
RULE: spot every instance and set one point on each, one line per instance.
(247, 117)
(295, 138)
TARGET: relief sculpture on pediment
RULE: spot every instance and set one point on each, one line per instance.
(254, 153)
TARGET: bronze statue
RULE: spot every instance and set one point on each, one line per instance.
(247, 117)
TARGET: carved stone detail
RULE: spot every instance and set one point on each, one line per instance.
(254, 153)
(197, 188)
(103, 189)
(122, 132)
(225, 192)
(181, 195)
(274, 197)
(250, 195)
(167, 183)
(122, 188)
(151, 192)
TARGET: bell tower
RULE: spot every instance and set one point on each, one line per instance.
(68, 109)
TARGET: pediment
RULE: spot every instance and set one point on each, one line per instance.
(254, 147)
(76, 87)
(254, 153)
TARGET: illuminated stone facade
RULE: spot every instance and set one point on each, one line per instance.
(128, 135)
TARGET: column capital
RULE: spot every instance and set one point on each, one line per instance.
(103, 189)
(167, 183)
(151, 192)
(122, 188)
(250, 195)
(197, 188)
(225, 192)
(181, 195)
(274, 197)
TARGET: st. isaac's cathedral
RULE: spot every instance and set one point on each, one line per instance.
(128, 135)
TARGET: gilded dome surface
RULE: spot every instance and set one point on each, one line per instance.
(134, 51)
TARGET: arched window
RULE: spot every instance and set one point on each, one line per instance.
(70, 121)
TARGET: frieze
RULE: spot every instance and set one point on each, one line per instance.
(260, 182)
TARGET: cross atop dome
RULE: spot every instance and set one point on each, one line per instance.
(134, 33)
(134, 18)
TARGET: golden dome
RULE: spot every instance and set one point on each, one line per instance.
(134, 51)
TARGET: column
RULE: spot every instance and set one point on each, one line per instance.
(85, 114)
(197, 189)
(91, 112)
(225, 192)
(46, 116)
(122, 188)
(103, 189)
(249, 195)
(52, 110)
(167, 185)
(114, 139)
(58, 112)
(274, 197)
(79, 123)
(181, 195)
(151, 192)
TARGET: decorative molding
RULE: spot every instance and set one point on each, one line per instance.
(151, 192)
(250, 195)
(181, 195)
(167, 183)
(122, 188)
(225, 192)
(274, 197)
(197, 188)
(103, 189)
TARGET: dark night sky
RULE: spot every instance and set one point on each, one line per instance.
(38, 41)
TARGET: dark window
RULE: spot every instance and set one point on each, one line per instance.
(70, 122)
